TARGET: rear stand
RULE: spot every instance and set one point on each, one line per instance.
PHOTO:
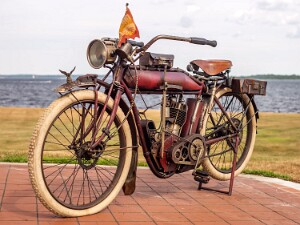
(203, 177)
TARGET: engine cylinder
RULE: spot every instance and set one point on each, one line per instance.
(175, 114)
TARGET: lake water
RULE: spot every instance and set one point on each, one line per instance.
(37, 91)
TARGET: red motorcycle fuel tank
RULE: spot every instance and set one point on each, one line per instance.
(151, 80)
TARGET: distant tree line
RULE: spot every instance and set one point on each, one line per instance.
(272, 77)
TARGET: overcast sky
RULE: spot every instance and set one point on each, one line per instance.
(259, 36)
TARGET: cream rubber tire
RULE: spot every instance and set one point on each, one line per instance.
(36, 148)
(208, 165)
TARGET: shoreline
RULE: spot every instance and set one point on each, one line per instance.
(150, 110)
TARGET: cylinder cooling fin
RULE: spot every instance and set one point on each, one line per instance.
(175, 114)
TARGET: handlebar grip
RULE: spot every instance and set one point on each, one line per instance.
(136, 43)
(203, 41)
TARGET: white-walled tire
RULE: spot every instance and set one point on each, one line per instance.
(67, 178)
(218, 161)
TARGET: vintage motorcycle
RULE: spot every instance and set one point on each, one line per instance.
(84, 149)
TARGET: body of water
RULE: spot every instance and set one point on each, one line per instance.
(37, 91)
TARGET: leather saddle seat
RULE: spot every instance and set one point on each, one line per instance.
(212, 67)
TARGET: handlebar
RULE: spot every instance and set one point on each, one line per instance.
(194, 40)
(203, 41)
(116, 40)
(143, 47)
(136, 43)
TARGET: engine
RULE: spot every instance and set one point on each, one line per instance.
(180, 152)
(176, 110)
(184, 151)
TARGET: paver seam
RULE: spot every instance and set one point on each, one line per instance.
(198, 202)
(77, 221)
(261, 220)
(207, 207)
(182, 190)
(6, 179)
(37, 211)
(265, 181)
(139, 203)
(161, 197)
(270, 185)
(224, 185)
(113, 215)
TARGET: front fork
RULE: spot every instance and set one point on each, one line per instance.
(98, 115)
(98, 120)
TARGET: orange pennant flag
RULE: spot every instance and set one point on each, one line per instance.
(128, 28)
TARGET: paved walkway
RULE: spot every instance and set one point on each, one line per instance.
(172, 201)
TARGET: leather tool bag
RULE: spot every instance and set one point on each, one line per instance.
(249, 86)
(156, 60)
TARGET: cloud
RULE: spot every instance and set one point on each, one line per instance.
(269, 12)
(241, 17)
(192, 8)
(254, 16)
(158, 2)
(292, 19)
(185, 22)
(294, 33)
(273, 5)
(237, 34)
(189, 11)
(280, 16)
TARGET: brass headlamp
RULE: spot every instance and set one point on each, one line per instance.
(100, 52)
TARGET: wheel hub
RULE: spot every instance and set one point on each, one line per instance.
(238, 124)
(87, 158)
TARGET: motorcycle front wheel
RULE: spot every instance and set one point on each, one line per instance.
(219, 155)
(67, 176)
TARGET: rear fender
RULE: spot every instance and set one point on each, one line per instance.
(254, 106)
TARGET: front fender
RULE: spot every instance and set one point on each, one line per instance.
(130, 183)
(85, 81)
(90, 80)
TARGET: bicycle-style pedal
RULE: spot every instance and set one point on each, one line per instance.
(201, 177)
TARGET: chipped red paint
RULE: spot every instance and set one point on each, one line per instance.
(154, 80)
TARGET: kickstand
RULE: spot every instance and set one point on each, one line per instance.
(229, 192)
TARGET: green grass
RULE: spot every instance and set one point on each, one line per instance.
(17, 125)
(276, 152)
(19, 158)
(277, 145)
(267, 174)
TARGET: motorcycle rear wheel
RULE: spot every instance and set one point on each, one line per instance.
(69, 179)
(219, 156)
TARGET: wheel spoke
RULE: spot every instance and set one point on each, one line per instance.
(218, 125)
(79, 178)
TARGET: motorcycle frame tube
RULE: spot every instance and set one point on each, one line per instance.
(116, 83)
(123, 88)
(137, 122)
(196, 115)
(146, 151)
(225, 113)
(138, 125)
